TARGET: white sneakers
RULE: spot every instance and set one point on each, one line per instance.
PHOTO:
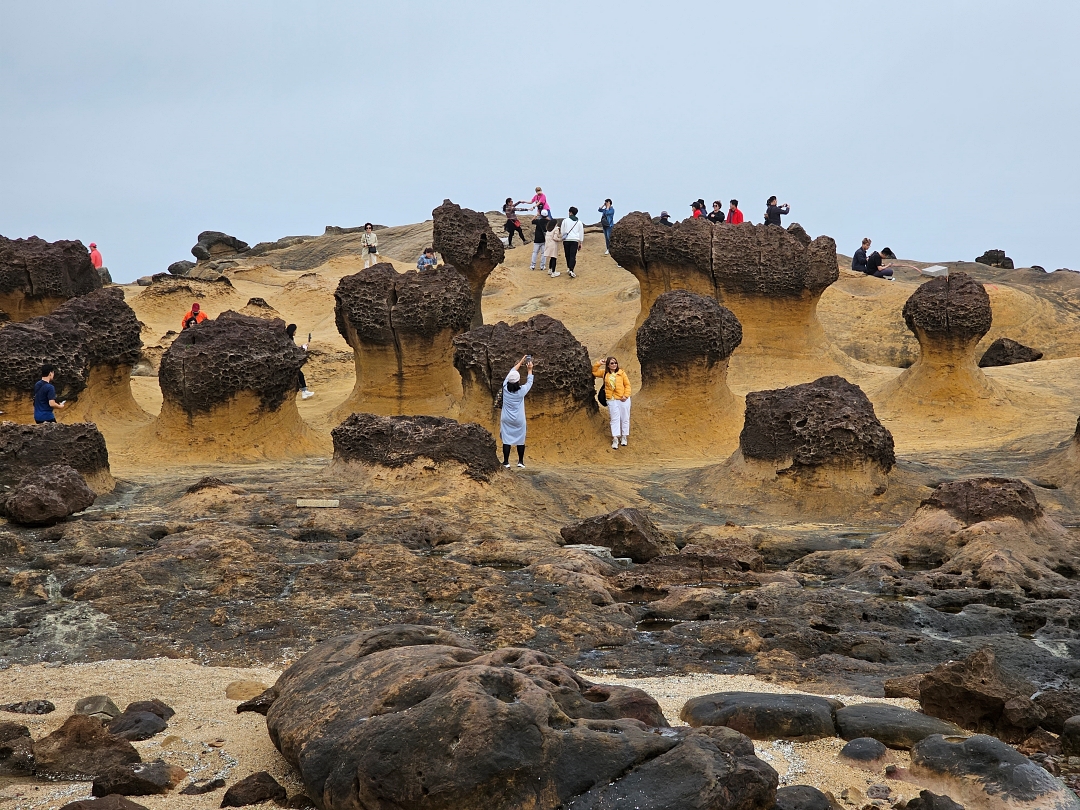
(606, 253)
(624, 438)
(614, 442)
(556, 274)
(307, 393)
(521, 465)
(571, 273)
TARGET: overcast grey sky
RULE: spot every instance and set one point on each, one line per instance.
(939, 129)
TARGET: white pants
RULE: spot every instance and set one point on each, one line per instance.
(537, 248)
(370, 259)
(620, 417)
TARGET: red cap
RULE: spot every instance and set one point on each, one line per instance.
(195, 307)
(93, 244)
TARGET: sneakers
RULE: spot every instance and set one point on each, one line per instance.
(606, 253)
(571, 273)
(521, 464)
(614, 442)
(506, 466)
(532, 266)
(307, 393)
(556, 274)
(624, 438)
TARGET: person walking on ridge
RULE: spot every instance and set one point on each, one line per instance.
(734, 216)
(513, 224)
(552, 238)
(607, 222)
(369, 243)
(95, 256)
(539, 233)
(305, 392)
(194, 315)
(573, 237)
(773, 212)
(617, 391)
(512, 416)
(45, 397)
(716, 216)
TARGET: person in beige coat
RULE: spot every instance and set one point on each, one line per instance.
(551, 247)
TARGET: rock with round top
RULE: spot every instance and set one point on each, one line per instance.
(47, 496)
(37, 276)
(217, 245)
(464, 239)
(79, 445)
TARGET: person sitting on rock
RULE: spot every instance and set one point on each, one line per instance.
(513, 224)
(305, 392)
(427, 259)
(734, 216)
(858, 261)
(512, 417)
(95, 256)
(875, 268)
(695, 210)
(773, 212)
(617, 390)
(195, 315)
(716, 216)
(45, 397)
(664, 219)
(552, 238)
(369, 243)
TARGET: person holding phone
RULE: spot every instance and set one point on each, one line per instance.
(607, 220)
(370, 245)
(773, 212)
(617, 391)
(512, 417)
(45, 397)
(305, 392)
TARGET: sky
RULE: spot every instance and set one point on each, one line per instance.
(940, 129)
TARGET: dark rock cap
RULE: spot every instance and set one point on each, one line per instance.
(465, 239)
(27, 346)
(46, 496)
(627, 532)
(254, 789)
(215, 243)
(822, 422)
(180, 268)
(110, 327)
(996, 258)
(79, 445)
(378, 303)
(683, 327)
(210, 363)
(1006, 352)
(486, 354)
(394, 441)
(973, 500)
(950, 306)
(41, 269)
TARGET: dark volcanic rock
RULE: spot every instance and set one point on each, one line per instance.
(892, 725)
(1070, 737)
(973, 500)
(255, 789)
(81, 749)
(486, 354)
(864, 750)
(46, 496)
(466, 241)
(765, 716)
(40, 269)
(931, 801)
(409, 712)
(996, 258)
(153, 706)
(180, 268)
(30, 707)
(16, 749)
(260, 704)
(953, 306)
(683, 327)
(27, 346)
(379, 304)
(209, 364)
(137, 725)
(111, 330)
(802, 797)
(138, 779)
(1005, 352)
(1059, 705)
(100, 707)
(394, 441)
(105, 803)
(215, 244)
(199, 788)
(627, 532)
(828, 421)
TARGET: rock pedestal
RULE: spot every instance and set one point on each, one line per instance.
(684, 406)
(25, 448)
(37, 276)
(465, 240)
(401, 327)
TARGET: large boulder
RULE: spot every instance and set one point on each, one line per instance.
(81, 749)
(24, 448)
(995, 258)
(465, 240)
(894, 726)
(25, 348)
(37, 276)
(627, 532)
(138, 779)
(764, 715)
(1006, 352)
(47, 496)
(16, 750)
(411, 717)
(180, 268)
(216, 245)
(254, 789)
(401, 327)
(398, 441)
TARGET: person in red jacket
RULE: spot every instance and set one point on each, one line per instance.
(95, 256)
(734, 216)
(195, 315)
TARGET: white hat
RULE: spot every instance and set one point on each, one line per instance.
(513, 376)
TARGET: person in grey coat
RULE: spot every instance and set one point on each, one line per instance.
(512, 418)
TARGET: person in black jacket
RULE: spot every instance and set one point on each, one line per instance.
(858, 261)
(717, 213)
(539, 238)
(774, 211)
(875, 268)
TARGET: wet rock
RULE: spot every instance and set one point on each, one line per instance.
(215, 245)
(138, 779)
(1059, 705)
(104, 803)
(765, 716)
(47, 496)
(684, 329)
(154, 706)
(35, 275)
(30, 707)
(865, 751)
(983, 771)
(1070, 737)
(894, 726)
(81, 749)
(260, 704)
(996, 258)
(802, 797)
(16, 750)
(1005, 352)
(100, 707)
(254, 789)
(627, 532)
(203, 367)
(931, 801)
(78, 445)
(199, 788)
(181, 268)
(464, 239)
(395, 441)
(950, 307)
(137, 725)
(976, 499)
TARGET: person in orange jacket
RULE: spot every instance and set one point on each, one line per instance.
(195, 315)
(617, 391)
(95, 256)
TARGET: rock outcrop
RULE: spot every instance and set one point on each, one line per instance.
(81, 749)
(412, 712)
(180, 268)
(25, 347)
(217, 245)
(24, 448)
(399, 441)
(401, 328)
(561, 407)
(465, 240)
(684, 405)
(627, 532)
(37, 276)
(1006, 352)
(995, 258)
(47, 496)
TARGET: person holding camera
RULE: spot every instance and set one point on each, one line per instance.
(617, 391)
(773, 211)
(369, 243)
(512, 416)
(607, 220)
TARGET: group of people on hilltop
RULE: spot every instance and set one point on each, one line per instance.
(369, 244)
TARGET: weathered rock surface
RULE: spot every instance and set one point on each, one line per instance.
(27, 346)
(1070, 737)
(894, 726)
(81, 749)
(137, 725)
(1059, 705)
(36, 276)
(396, 441)
(180, 268)
(995, 258)
(950, 307)
(138, 779)
(111, 330)
(16, 750)
(465, 240)
(105, 803)
(802, 797)
(627, 532)
(765, 716)
(864, 750)
(1006, 352)
(931, 801)
(973, 500)
(254, 789)
(78, 445)
(684, 329)
(46, 496)
(29, 707)
(508, 727)
(100, 707)
(216, 245)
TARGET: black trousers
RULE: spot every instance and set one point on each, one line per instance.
(570, 249)
(511, 229)
(521, 454)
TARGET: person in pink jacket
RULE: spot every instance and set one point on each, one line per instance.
(539, 201)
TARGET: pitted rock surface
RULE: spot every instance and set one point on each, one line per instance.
(465, 240)
(47, 496)
(486, 354)
(215, 244)
(27, 346)
(394, 441)
(110, 328)
(210, 363)
(1006, 352)
(827, 421)
(683, 327)
(40, 269)
(23, 448)
(973, 500)
(378, 303)
(951, 306)
(995, 258)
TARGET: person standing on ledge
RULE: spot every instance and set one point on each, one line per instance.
(607, 222)
(617, 391)
(552, 238)
(369, 243)
(716, 216)
(45, 397)
(427, 259)
(512, 417)
(664, 219)
(539, 233)
(773, 212)
(305, 392)
(195, 315)
(573, 237)
(95, 256)
(734, 216)
(539, 201)
(513, 224)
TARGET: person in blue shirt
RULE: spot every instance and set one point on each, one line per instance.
(426, 260)
(607, 220)
(45, 396)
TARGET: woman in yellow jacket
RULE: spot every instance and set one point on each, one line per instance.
(617, 390)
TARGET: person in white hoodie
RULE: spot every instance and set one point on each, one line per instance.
(573, 234)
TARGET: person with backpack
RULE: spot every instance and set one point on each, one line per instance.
(773, 212)
(552, 238)
(573, 236)
(369, 243)
(540, 224)
(45, 396)
(305, 392)
(734, 216)
(512, 414)
(716, 216)
(513, 224)
(194, 315)
(607, 222)
(617, 392)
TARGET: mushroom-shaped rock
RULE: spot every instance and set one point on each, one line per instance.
(25, 348)
(561, 408)
(24, 448)
(217, 245)
(683, 347)
(995, 258)
(465, 240)
(37, 276)
(1006, 352)
(401, 327)
(46, 496)
(229, 388)
(180, 268)
(398, 441)
(259, 308)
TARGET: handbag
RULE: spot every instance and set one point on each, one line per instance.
(601, 395)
